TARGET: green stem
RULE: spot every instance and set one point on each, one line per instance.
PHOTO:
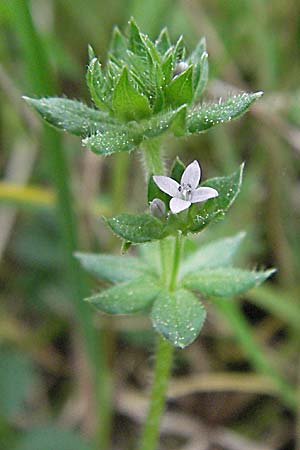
(164, 352)
(164, 357)
(41, 82)
(176, 261)
(152, 157)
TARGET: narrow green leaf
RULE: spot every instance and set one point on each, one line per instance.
(136, 228)
(163, 42)
(180, 90)
(136, 44)
(168, 69)
(97, 85)
(228, 188)
(178, 123)
(114, 269)
(178, 316)
(127, 102)
(118, 44)
(207, 116)
(126, 298)
(91, 53)
(215, 254)
(70, 115)
(179, 51)
(123, 138)
(225, 282)
(160, 123)
(199, 59)
(113, 139)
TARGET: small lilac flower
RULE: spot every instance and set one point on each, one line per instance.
(187, 192)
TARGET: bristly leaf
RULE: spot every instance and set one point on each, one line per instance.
(199, 59)
(118, 44)
(136, 44)
(112, 268)
(179, 51)
(163, 42)
(97, 85)
(126, 298)
(207, 116)
(178, 316)
(178, 123)
(127, 102)
(71, 115)
(138, 228)
(180, 90)
(91, 53)
(113, 139)
(215, 208)
(218, 253)
(127, 137)
(224, 282)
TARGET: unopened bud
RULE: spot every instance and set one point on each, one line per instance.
(179, 68)
(157, 208)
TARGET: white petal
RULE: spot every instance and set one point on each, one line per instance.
(192, 175)
(167, 185)
(177, 205)
(203, 193)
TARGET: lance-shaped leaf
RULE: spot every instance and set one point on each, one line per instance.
(118, 44)
(215, 254)
(179, 51)
(136, 43)
(114, 269)
(224, 282)
(180, 90)
(138, 228)
(163, 42)
(126, 298)
(207, 116)
(199, 59)
(97, 85)
(178, 316)
(215, 208)
(113, 139)
(71, 115)
(126, 138)
(127, 102)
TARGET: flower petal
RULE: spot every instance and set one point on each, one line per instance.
(167, 185)
(177, 205)
(203, 193)
(192, 175)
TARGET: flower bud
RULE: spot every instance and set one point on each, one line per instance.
(179, 68)
(157, 208)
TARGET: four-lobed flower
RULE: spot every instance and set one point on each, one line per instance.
(187, 192)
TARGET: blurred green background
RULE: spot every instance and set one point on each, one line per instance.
(72, 381)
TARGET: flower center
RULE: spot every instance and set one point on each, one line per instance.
(185, 191)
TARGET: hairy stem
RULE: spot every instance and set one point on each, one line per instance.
(164, 357)
(164, 353)
(176, 261)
